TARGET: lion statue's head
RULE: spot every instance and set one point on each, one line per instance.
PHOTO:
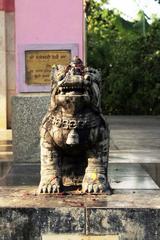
(75, 83)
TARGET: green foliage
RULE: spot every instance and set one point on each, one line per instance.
(129, 59)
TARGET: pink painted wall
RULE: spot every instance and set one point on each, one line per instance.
(49, 22)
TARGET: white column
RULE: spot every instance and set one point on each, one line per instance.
(10, 62)
(3, 72)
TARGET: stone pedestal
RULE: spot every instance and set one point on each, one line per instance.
(127, 214)
(27, 113)
(124, 215)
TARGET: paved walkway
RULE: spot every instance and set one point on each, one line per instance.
(135, 139)
(135, 142)
(134, 152)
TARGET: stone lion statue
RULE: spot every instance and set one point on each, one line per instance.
(73, 125)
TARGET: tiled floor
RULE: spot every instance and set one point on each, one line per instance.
(135, 139)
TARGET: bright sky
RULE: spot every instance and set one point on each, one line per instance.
(130, 8)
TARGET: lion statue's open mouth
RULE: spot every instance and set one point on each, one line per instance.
(73, 124)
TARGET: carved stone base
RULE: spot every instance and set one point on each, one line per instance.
(124, 215)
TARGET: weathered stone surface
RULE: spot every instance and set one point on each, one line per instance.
(73, 125)
(29, 224)
(33, 223)
(27, 114)
(132, 215)
(21, 174)
(26, 196)
(139, 224)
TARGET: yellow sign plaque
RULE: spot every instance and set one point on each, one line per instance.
(38, 64)
(51, 236)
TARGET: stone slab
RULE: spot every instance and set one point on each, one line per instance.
(135, 156)
(135, 132)
(128, 215)
(154, 171)
(30, 224)
(126, 170)
(27, 114)
(127, 223)
(130, 176)
(26, 197)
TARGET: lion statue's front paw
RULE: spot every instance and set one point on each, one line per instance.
(50, 185)
(95, 183)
